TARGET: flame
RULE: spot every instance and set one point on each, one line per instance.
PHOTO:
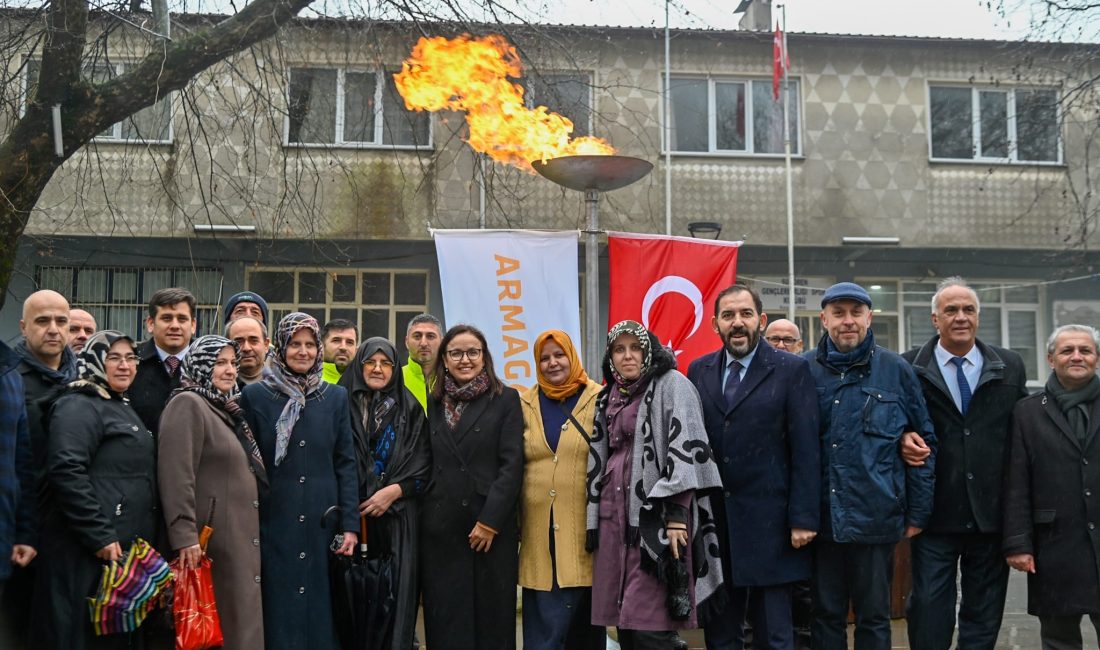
(471, 75)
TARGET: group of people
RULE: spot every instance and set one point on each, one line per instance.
(760, 497)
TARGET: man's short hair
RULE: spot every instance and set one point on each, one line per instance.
(338, 325)
(1085, 329)
(172, 296)
(954, 281)
(738, 288)
(229, 326)
(420, 319)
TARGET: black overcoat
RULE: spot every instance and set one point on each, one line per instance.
(152, 385)
(477, 472)
(1052, 507)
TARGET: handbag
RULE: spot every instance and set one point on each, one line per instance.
(128, 590)
(194, 609)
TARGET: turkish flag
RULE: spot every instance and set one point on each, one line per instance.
(781, 59)
(669, 285)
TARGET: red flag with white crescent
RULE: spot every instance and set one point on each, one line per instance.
(669, 285)
(781, 59)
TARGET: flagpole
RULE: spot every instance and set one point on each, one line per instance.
(668, 128)
(784, 58)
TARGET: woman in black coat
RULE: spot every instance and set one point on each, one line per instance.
(395, 464)
(101, 493)
(469, 535)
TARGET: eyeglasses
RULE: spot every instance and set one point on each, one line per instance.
(114, 357)
(374, 363)
(473, 354)
(785, 340)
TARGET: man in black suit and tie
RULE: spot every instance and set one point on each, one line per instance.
(761, 415)
(171, 322)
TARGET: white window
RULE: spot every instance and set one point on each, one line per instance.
(994, 125)
(152, 124)
(569, 95)
(379, 302)
(730, 116)
(351, 107)
(118, 297)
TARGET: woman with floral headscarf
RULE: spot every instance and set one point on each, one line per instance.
(303, 429)
(395, 466)
(653, 535)
(209, 467)
(555, 570)
(100, 493)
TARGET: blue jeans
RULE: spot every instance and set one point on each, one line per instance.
(856, 573)
(931, 608)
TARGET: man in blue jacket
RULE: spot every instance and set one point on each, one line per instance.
(760, 412)
(17, 495)
(869, 398)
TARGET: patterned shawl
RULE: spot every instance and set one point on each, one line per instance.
(91, 364)
(456, 398)
(281, 379)
(197, 376)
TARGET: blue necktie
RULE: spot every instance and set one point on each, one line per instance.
(732, 382)
(964, 386)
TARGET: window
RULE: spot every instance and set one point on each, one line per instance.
(351, 107)
(991, 124)
(150, 124)
(381, 303)
(568, 95)
(118, 297)
(730, 116)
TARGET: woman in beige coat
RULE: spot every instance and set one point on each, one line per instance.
(209, 470)
(554, 569)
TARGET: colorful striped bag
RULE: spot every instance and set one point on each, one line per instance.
(128, 590)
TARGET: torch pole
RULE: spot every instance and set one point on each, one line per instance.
(592, 356)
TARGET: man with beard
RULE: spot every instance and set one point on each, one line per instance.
(251, 338)
(422, 338)
(760, 412)
(339, 338)
(81, 326)
(868, 398)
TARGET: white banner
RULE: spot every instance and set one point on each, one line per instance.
(513, 285)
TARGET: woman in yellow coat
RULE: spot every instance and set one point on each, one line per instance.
(554, 569)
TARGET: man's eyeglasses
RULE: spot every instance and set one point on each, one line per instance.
(473, 354)
(785, 340)
(374, 363)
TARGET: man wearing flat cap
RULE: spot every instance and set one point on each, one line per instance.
(869, 398)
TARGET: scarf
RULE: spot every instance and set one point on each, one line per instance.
(577, 379)
(64, 374)
(843, 361)
(281, 379)
(456, 398)
(628, 327)
(91, 365)
(197, 376)
(1075, 403)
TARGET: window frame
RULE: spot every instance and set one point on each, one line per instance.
(587, 77)
(797, 151)
(1010, 126)
(339, 118)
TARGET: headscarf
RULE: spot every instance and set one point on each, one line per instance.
(638, 330)
(91, 364)
(392, 418)
(281, 379)
(197, 376)
(577, 379)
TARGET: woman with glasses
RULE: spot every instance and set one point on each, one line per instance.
(303, 428)
(209, 471)
(395, 462)
(100, 493)
(468, 528)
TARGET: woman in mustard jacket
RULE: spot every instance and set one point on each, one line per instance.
(554, 569)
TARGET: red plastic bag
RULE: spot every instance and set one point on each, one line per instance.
(193, 609)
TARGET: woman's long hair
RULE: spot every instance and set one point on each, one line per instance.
(440, 367)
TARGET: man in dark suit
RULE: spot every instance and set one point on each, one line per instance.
(761, 415)
(970, 388)
(171, 322)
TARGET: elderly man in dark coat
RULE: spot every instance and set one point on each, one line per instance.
(761, 416)
(1050, 509)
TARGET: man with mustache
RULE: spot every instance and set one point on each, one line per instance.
(869, 398)
(251, 337)
(760, 412)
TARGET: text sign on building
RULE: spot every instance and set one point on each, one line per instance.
(775, 293)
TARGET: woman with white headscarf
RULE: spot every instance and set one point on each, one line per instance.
(303, 428)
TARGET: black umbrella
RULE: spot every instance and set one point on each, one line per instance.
(363, 597)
